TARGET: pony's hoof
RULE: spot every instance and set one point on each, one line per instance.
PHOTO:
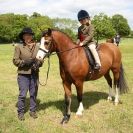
(116, 103)
(65, 119)
(79, 114)
(109, 99)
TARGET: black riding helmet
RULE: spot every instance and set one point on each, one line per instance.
(83, 14)
(26, 30)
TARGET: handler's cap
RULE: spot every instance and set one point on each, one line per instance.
(26, 30)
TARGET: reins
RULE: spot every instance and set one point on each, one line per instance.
(66, 50)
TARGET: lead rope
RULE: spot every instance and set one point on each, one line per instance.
(47, 72)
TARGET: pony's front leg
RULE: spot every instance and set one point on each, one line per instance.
(79, 88)
(80, 109)
(67, 88)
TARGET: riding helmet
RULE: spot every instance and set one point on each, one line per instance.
(83, 14)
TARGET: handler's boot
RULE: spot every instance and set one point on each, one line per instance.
(33, 115)
(21, 117)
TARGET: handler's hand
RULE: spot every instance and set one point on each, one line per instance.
(81, 44)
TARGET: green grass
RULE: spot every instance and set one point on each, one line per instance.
(99, 116)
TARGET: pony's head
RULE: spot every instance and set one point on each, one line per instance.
(54, 40)
(47, 45)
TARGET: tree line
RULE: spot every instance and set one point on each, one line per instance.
(105, 26)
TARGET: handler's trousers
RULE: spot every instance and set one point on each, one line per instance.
(27, 82)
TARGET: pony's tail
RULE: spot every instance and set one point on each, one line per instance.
(122, 83)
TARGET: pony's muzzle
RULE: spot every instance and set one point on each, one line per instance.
(41, 54)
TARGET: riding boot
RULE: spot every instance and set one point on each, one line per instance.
(97, 66)
(96, 56)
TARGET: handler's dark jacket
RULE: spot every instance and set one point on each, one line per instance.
(21, 53)
(86, 34)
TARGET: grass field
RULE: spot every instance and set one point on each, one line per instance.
(99, 116)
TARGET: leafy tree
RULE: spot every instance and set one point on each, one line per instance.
(38, 24)
(20, 21)
(120, 24)
(5, 33)
(35, 15)
(10, 26)
(103, 26)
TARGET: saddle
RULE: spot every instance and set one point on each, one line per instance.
(90, 57)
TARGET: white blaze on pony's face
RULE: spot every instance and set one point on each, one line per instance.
(42, 52)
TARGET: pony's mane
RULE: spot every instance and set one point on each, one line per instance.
(64, 34)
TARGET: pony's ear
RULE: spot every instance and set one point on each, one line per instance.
(49, 31)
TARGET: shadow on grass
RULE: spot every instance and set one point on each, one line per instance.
(89, 99)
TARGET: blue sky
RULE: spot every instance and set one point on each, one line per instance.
(69, 8)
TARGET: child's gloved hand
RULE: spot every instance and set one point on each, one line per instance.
(81, 44)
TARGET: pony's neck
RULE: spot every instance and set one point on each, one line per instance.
(63, 42)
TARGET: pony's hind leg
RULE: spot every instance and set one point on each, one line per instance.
(116, 79)
(116, 102)
(79, 88)
(67, 89)
(109, 81)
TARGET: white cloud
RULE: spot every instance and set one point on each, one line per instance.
(69, 8)
(17, 6)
